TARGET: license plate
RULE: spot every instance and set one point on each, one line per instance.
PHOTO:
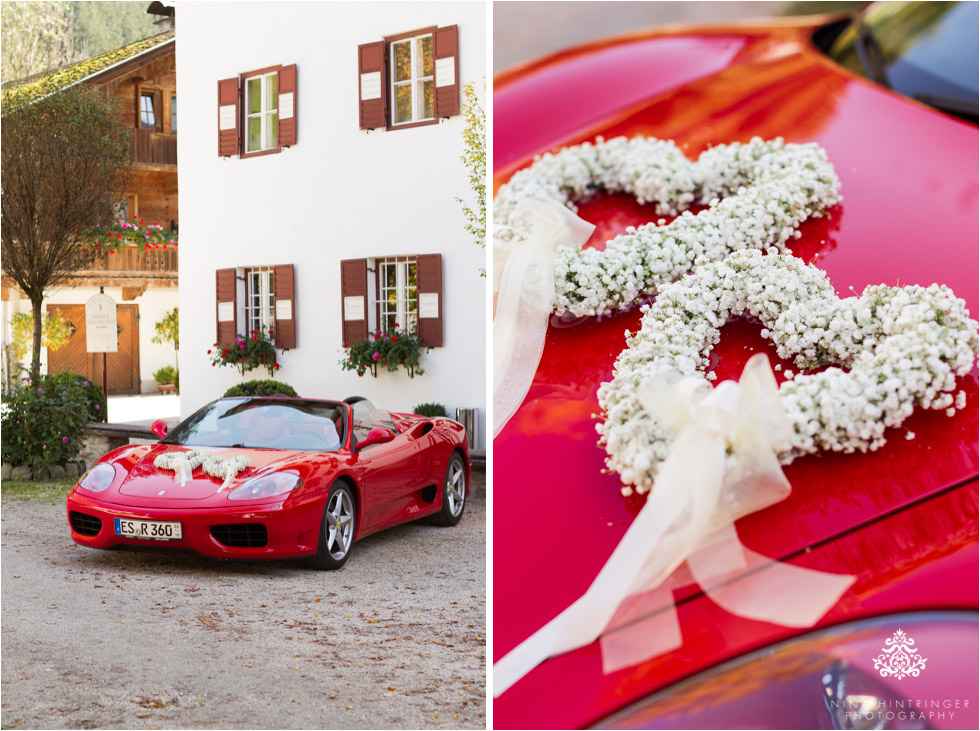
(151, 530)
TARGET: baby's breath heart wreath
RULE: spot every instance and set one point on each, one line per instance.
(902, 346)
(758, 194)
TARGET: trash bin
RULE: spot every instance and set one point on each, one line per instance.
(468, 418)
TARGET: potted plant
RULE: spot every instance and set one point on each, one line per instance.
(247, 352)
(166, 378)
(389, 349)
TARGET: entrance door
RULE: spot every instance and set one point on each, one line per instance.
(123, 366)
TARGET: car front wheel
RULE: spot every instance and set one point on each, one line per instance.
(336, 529)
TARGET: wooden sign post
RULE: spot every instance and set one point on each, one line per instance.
(101, 330)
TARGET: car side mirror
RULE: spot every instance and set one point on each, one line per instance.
(376, 436)
(159, 428)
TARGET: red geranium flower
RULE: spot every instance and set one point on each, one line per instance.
(275, 366)
(394, 338)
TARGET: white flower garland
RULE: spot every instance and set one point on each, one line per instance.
(184, 463)
(225, 468)
(771, 188)
(903, 346)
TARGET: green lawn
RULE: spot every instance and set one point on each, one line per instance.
(49, 491)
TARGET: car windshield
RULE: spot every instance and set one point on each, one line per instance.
(264, 424)
(925, 50)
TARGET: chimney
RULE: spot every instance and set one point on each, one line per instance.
(163, 13)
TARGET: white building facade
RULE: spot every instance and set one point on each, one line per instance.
(319, 174)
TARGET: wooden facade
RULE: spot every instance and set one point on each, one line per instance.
(151, 192)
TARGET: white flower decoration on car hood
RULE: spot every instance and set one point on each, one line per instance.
(903, 346)
(758, 194)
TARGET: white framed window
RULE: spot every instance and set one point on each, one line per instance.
(148, 117)
(412, 80)
(259, 299)
(398, 300)
(261, 112)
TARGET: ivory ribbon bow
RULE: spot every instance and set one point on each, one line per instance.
(182, 463)
(524, 282)
(722, 465)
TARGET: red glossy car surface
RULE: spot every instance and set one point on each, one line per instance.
(389, 479)
(902, 519)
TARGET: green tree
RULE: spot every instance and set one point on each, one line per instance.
(62, 159)
(35, 37)
(475, 159)
(103, 26)
(168, 331)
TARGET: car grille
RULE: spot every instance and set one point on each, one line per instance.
(85, 525)
(241, 535)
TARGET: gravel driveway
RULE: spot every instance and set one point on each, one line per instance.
(114, 639)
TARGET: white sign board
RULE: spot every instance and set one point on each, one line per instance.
(429, 305)
(100, 324)
(286, 106)
(226, 117)
(353, 308)
(284, 309)
(226, 312)
(446, 71)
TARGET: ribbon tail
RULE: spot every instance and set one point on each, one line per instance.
(676, 512)
(524, 300)
(182, 473)
(519, 329)
(751, 585)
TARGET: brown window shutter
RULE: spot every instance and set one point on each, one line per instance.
(446, 53)
(226, 288)
(287, 106)
(284, 296)
(372, 85)
(228, 111)
(353, 299)
(429, 276)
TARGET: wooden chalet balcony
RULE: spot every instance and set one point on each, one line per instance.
(153, 147)
(132, 266)
(133, 259)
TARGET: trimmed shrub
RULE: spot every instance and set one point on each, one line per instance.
(98, 407)
(261, 388)
(42, 423)
(430, 410)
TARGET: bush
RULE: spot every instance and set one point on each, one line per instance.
(166, 375)
(98, 408)
(42, 422)
(261, 388)
(430, 410)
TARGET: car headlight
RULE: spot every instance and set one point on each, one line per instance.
(276, 483)
(901, 671)
(98, 477)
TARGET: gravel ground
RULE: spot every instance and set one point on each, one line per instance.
(113, 639)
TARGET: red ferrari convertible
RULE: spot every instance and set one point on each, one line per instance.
(275, 477)
(891, 95)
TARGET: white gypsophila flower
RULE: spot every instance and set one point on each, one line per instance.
(757, 194)
(889, 350)
(225, 468)
(189, 460)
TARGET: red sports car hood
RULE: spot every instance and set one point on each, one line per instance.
(909, 216)
(146, 485)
